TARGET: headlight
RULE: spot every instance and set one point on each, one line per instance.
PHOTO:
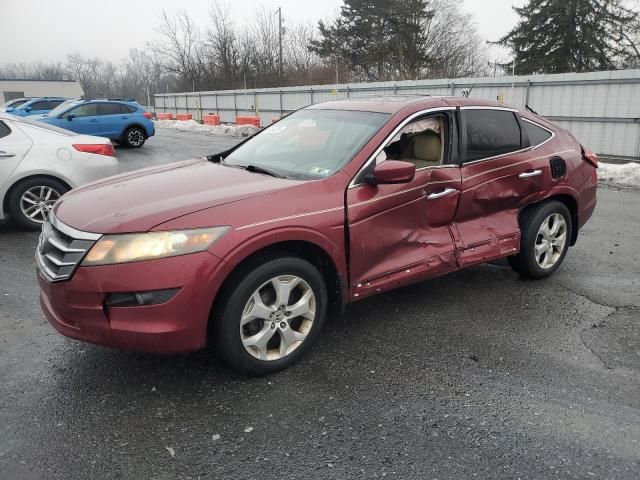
(133, 247)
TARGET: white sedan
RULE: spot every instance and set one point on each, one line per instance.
(39, 163)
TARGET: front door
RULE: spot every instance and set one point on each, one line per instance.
(400, 233)
(82, 119)
(500, 175)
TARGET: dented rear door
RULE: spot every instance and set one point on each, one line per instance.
(500, 175)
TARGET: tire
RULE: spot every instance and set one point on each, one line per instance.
(31, 200)
(134, 137)
(543, 247)
(256, 280)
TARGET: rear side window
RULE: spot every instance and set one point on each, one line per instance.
(536, 134)
(109, 108)
(127, 108)
(53, 104)
(4, 130)
(39, 106)
(490, 133)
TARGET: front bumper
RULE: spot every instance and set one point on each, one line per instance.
(76, 307)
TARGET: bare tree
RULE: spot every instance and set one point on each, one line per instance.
(180, 47)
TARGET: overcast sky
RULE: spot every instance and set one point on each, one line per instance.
(45, 30)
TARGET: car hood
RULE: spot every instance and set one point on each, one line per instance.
(140, 200)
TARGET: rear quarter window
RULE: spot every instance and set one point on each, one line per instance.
(4, 130)
(536, 134)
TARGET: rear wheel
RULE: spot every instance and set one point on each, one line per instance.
(134, 137)
(546, 233)
(271, 314)
(31, 200)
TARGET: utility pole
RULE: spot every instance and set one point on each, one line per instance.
(279, 12)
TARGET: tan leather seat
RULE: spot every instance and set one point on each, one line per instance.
(426, 150)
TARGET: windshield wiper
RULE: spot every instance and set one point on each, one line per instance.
(256, 169)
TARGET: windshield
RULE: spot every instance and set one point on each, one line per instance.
(15, 103)
(308, 144)
(63, 107)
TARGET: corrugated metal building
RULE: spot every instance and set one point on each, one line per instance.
(602, 109)
(11, 89)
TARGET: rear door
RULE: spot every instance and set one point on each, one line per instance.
(14, 145)
(500, 175)
(111, 118)
(400, 233)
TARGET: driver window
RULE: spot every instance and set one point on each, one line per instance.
(420, 142)
(86, 110)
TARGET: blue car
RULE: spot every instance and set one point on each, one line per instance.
(36, 106)
(15, 103)
(123, 121)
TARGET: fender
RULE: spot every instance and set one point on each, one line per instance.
(286, 234)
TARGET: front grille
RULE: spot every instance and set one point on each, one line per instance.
(61, 249)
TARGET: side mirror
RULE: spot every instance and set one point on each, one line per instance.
(71, 116)
(27, 109)
(392, 171)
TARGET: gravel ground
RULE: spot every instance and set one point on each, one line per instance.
(476, 374)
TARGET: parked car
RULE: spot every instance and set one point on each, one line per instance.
(39, 163)
(36, 106)
(254, 247)
(122, 121)
(16, 102)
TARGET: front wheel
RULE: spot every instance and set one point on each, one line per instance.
(546, 233)
(31, 200)
(271, 313)
(134, 137)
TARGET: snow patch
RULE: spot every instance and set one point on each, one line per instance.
(193, 126)
(626, 175)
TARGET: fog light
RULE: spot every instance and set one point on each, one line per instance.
(139, 299)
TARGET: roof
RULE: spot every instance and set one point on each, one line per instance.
(395, 103)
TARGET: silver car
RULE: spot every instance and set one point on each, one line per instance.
(39, 163)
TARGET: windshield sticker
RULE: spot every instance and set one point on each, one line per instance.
(320, 171)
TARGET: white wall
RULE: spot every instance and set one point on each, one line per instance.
(40, 88)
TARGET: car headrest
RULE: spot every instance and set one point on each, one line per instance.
(427, 146)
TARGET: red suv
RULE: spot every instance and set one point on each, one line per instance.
(254, 247)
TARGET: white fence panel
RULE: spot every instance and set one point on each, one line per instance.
(602, 109)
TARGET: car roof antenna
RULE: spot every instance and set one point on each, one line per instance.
(531, 110)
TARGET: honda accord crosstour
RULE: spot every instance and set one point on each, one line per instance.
(251, 249)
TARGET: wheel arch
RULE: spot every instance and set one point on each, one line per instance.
(17, 182)
(568, 198)
(305, 249)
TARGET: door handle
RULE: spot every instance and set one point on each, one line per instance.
(444, 193)
(533, 173)
(6, 155)
(94, 120)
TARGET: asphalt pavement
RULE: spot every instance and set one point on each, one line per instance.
(478, 374)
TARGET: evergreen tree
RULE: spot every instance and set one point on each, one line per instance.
(555, 36)
(378, 39)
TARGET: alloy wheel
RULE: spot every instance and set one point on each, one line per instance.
(135, 137)
(551, 241)
(36, 202)
(277, 317)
